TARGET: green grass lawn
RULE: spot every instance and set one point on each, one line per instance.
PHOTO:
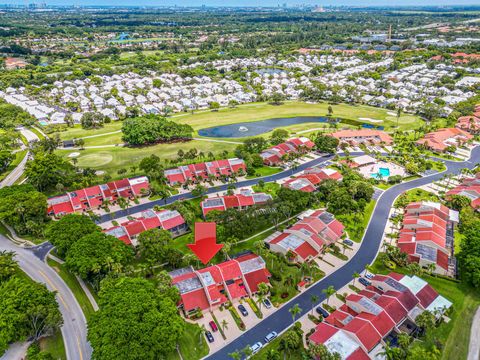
(112, 159)
(192, 344)
(73, 284)
(455, 335)
(355, 225)
(265, 171)
(262, 111)
(416, 195)
(269, 188)
(36, 132)
(54, 346)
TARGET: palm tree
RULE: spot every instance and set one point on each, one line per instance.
(247, 351)
(431, 268)
(329, 292)
(224, 325)
(313, 300)
(294, 311)
(226, 249)
(355, 277)
(235, 355)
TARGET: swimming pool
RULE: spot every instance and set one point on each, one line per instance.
(245, 129)
(382, 173)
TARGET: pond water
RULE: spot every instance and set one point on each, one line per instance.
(254, 128)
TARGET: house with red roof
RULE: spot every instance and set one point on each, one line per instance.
(92, 198)
(214, 285)
(361, 327)
(170, 220)
(276, 154)
(470, 187)
(470, 124)
(203, 171)
(419, 293)
(243, 200)
(427, 235)
(306, 239)
(311, 178)
(338, 341)
(362, 136)
(442, 139)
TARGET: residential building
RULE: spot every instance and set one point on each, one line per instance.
(470, 188)
(427, 235)
(363, 136)
(311, 178)
(469, 124)
(442, 139)
(203, 171)
(93, 197)
(306, 239)
(128, 231)
(275, 154)
(245, 199)
(214, 285)
(370, 319)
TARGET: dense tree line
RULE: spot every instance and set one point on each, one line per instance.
(135, 321)
(152, 129)
(23, 208)
(27, 309)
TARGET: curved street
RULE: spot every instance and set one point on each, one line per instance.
(280, 320)
(74, 329)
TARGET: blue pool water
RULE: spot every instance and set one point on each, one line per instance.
(382, 173)
(254, 128)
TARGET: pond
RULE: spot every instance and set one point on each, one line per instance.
(245, 129)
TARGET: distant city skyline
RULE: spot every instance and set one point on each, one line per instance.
(253, 3)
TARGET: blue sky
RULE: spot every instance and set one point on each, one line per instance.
(250, 2)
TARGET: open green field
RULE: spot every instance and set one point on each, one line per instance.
(455, 335)
(263, 111)
(111, 159)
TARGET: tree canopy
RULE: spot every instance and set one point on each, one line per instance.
(27, 309)
(23, 208)
(135, 321)
(95, 255)
(66, 231)
(153, 128)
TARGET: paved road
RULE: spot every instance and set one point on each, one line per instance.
(474, 346)
(74, 329)
(278, 176)
(16, 351)
(281, 319)
(16, 173)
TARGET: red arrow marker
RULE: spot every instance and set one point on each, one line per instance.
(205, 246)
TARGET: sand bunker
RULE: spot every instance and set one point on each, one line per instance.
(371, 120)
(74, 155)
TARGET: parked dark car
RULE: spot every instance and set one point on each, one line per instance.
(364, 282)
(209, 336)
(242, 310)
(213, 326)
(321, 311)
(348, 242)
